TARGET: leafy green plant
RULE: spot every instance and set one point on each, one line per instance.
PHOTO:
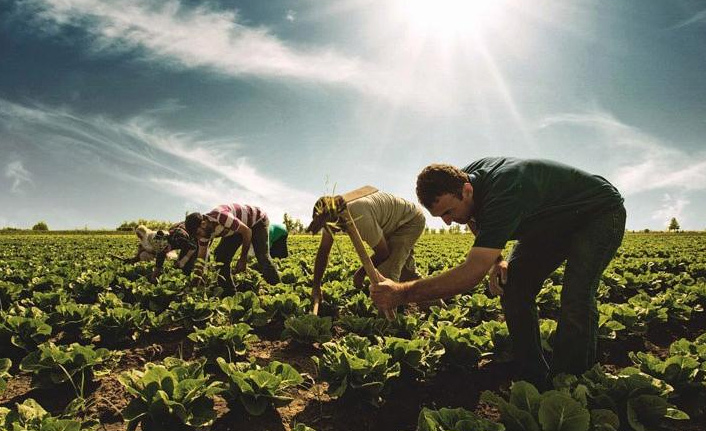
(175, 395)
(243, 307)
(26, 332)
(551, 411)
(256, 388)
(364, 326)
(418, 357)
(352, 366)
(70, 316)
(191, 311)
(30, 416)
(120, 324)
(454, 420)
(638, 401)
(460, 345)
(284, 305)
(307, 329)
(5, 365)
(52, 365)
(227, 340)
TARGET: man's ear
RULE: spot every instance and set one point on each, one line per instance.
(467, 190)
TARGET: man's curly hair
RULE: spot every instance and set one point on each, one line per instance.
(438, 179)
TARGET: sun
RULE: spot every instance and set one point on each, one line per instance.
(449, 18)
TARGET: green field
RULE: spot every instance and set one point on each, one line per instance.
(92, 341)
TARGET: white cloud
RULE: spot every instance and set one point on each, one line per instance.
(643, 162)
(16, 172)
(174, 35)
(140, 151)
(291, 15)
(697, 18)
(672, 206)
(196, 37)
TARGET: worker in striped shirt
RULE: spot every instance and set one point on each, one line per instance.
(237, 225)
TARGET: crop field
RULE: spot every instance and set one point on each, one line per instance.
(86, 342)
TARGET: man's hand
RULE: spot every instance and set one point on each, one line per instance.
(154, 275)
(359, 277)
(241, 265)
(316, 298)
(387, 294)
(498, 277)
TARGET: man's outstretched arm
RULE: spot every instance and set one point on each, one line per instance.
(459, 279)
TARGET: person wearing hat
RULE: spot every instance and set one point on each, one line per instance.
(237, 225)
(389, 224)
(159, 244)
(176, 238)
(557, 214)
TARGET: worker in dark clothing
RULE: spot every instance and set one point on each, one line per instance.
(557, 214)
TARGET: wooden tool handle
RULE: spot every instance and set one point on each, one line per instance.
(368, 266)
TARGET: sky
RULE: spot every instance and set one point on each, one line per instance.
(125, 109)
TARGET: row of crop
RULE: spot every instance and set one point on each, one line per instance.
(179, 394)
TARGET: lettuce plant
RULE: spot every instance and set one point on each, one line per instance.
(527, 409)
(52, 365)
(460, 345)
(418, 357)
(307, 329)
(5, 365)
(256, 388)
(227, 340)
(454, 420)
(192, 311)
(284, 305)
(175, 395)
(30, 416)
(352, 366)
(242, 307)
(25, 332)
(364, 326)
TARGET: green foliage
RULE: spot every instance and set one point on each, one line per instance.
(228, 340)
(243, 307)
(30, 416)
(5, 365)
(364, 326)
(257, 388)
(307, 329)
(130, 226)
(454, 420)
(418, 357)
(174, 395)
(53, 365)
(527, 409)
(25, 332)
(40, 226)
(353, 367)
(461, 346)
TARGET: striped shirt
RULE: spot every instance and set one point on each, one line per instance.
(229, 217)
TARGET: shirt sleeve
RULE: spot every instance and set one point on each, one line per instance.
(227, 220)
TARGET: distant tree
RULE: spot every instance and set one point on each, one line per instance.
(674, 225)
(646, 231)
(426, 229)
(455, 229)
(292, 225)
(288, 222)
(40, 226)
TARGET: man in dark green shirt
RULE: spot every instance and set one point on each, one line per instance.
(556, 213)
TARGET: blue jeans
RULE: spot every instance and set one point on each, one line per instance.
(587, 251)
